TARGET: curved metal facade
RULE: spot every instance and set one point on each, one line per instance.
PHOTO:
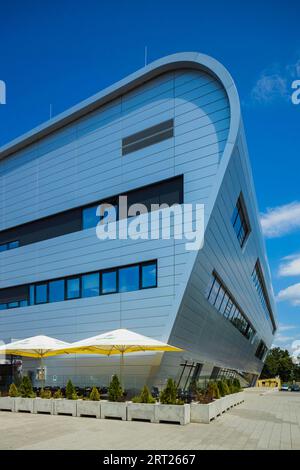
(76, 159)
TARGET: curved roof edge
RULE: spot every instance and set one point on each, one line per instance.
(191, 60)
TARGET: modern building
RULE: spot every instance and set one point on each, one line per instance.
(171, 133)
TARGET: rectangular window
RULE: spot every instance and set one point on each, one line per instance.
(259, 283)
(166, 191)
(73, 288)
(90, 285)
(129, 279)
(14, 244)
(57, 291)
(261, 350)
(13, 304)
(41, 293)
(240, 221)
(220, 297)
(121, 279)
(89, 217)
(109, 282)
(31, 295)
(147, 137)
(149, 275)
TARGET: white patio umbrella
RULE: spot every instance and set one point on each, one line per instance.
(121, 341)
(35, 346)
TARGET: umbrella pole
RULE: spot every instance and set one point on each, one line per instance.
(121, 368)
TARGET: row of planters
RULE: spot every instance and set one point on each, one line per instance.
(214, 399)
(209, 402)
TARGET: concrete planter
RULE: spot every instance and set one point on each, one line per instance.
(112, 409)
(7, 404)
(172, 413)
(24, 404)
(203, 413)
(226, 402)
(220, 406)
(88, 408)
(141, 411)
(63, 406)
(239, 397)
(43, 405)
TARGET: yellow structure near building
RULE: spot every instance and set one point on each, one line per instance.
(272, 383)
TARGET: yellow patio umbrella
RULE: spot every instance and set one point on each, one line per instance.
(35, 346)
(121, 341)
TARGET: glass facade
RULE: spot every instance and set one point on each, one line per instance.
(259, 284)
(223, 301)
(109, 281)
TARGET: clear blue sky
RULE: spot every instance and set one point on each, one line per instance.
(61, 52)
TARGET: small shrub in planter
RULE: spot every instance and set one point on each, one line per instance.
(168, 396)
(204, 396)
(115, 391)
(144, 397)
(58, 394)
(71, 391)
(25, 388)
(46, 394)
(213, 388)
(13, 391)
(236, 385)
(94, 395)
(223, 388)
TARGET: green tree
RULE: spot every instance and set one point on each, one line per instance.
(25, 388)
(168, 395)
(94, 395)
(13, 391)
(70, 391)
(144, 397)
(279, 362)
(115, 391)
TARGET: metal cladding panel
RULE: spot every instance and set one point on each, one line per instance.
(81, 163)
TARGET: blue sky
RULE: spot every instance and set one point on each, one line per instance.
(61, 52)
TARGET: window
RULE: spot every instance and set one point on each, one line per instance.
(14, 244)
(13, 304)
(150, 136)
(31, 295)
(149, 275)
(57, 291)
(109, 282)
(90, 285)
(41, 293)
(90, 217)
(73, 288)
(121, 279)
(9, 245)
(167, 191)
(261, 350)
(259, 283)
(129, 279)
(240, 221)
(223, 301)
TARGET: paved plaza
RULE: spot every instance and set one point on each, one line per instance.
(265, 421)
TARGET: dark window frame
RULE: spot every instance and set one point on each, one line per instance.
(242, 215)
(236, 315)
(33, 285)
(147, 137)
